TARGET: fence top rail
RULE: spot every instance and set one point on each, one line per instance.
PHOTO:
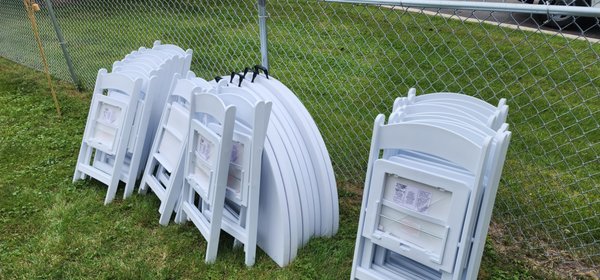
(483, 6)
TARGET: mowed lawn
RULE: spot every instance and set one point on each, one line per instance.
(52, 228)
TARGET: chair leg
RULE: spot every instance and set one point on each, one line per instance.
(114, 182)
(77, 176)
(143, 185)
(171, 198)
(213, 240)
(251, 227)
(186, 193)
(215, 224)
(112, 190)
(242, 224)
(133, 170)
(250, 253)
(129, 185)
(84, 156)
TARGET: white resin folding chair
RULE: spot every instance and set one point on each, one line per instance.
(275, 234)
(243, 184)
(152, 99)
(488, 119)
(479, 222)
(439, 112)
(185, 64)
(164, 168)
(324, 189)
(499, 112)
(107, 130)
(419, 228)
(299, 189)
(502, 140)
(207, 167)
(283, 169)
(155, 69)
(138, 141)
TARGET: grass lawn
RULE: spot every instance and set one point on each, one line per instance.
(51, 228)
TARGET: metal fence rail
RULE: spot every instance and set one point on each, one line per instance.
(348, 62)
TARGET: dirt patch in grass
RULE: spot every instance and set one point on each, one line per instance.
(547, 259)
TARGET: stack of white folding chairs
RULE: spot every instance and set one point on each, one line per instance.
(242, 156)
(126, 105)
(207, 152)
(240, 153)
(298, 177)
(430, 187)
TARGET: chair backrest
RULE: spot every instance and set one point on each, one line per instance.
(451, 97)
(461, 145)
(175, 120)
(119, 66)
(115, 81)
(466, 151)
(109, 113)
(251, 120)
(182, 91)
(253, 113)
(167, 47)
(461, 119)
(186, 56)
(500, 111)
(244, 107)
(209, 152)
(452, 122)
(146, 59)
(154, 55)
(198, 81)
(488, 119)
(135, 60)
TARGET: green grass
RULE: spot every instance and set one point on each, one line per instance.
(51, 228)
(347, 64)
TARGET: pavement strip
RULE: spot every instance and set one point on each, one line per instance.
(495, 23)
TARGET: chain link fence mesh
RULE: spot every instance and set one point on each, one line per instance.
(348, 63)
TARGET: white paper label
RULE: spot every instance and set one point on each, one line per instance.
(412, 198)
(108, 114)
(205, 148)
(237, 153)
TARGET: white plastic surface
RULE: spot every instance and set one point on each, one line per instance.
(274, 235)
(292, 146)
(245, 167)
(326, 187)
(107, 130)
(164, 171)
(276, 139)
(395, 224)
(208, 154)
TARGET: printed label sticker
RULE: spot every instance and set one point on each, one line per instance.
(411, 197)
(237, 153)
(205, 148)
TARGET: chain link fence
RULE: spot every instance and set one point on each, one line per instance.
(348, 62)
